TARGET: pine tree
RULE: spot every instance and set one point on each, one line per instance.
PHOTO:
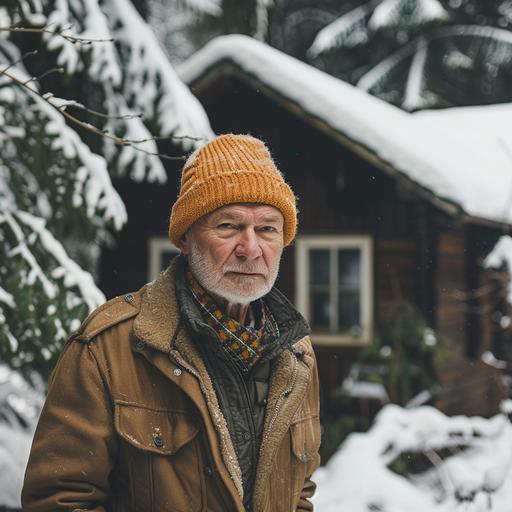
(423, 53)
(57, 156)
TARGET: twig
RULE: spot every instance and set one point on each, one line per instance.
(67, 37)
(21, 59)
(42, 75)
(437, 463)
(99, 114)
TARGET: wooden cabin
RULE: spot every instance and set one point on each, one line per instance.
(389, 215)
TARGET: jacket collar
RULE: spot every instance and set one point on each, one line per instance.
(158, 318)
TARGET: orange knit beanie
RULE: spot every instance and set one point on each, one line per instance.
(231, 169)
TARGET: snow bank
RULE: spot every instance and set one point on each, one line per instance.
(14, 451)
(357, 477)
(20, 404)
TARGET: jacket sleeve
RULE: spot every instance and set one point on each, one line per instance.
(307, 491)
(74, 444)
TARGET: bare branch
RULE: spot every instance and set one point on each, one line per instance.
(59, 33)
(180, 137)
(21, 59)
(99, 114)
(42, 75)
(120, 141)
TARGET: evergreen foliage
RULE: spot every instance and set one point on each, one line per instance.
(407, 350)
(423, 53)
(57, 202)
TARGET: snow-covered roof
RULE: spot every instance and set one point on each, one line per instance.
(458, 157)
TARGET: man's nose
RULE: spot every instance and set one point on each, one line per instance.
(248, 245)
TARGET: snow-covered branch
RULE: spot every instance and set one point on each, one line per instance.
(413, 98)
(151, 84)
(394, 13)
(501, 41)
(348, 30)
(66, 268)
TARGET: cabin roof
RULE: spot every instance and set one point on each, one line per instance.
(460, 159)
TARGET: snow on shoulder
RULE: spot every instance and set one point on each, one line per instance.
(456, 172)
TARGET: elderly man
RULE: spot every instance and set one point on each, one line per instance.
(200, 391)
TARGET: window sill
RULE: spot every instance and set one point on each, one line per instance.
(339, 340)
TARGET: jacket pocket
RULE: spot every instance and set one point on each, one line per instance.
(305, 436)
(305, 442)
(162, 452)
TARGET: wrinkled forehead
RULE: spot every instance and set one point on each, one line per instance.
(239, 211)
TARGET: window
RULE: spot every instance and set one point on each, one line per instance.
(334, 287)
(161, 252)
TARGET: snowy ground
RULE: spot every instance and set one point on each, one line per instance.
(20, 403)
(477, 478)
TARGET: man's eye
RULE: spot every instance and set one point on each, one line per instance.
(226, 225)
(269, 229)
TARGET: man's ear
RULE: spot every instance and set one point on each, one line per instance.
(184, 244)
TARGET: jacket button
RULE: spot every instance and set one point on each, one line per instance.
(177, 372)
(140, 345)
(246, 436)
(158, 440)
(208, 470)
(128, 298)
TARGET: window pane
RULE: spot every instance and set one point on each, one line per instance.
(349, 268)
(319, 266)
(320, 311)
(348, 312)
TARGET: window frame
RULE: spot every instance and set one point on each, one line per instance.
(364, 243)
(157, 245)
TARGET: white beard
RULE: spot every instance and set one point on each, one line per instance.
(235, 289)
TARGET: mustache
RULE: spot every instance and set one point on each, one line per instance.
(246, 269)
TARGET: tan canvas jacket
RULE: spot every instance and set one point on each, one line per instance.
(132, 422)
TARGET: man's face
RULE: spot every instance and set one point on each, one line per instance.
(234, 251)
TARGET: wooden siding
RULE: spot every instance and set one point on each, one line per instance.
(451, 280)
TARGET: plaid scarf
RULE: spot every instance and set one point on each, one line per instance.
(244, 344)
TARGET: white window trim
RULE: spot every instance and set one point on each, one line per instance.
(157, 245)
(365, 244)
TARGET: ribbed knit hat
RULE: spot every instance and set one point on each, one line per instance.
(231, 169)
